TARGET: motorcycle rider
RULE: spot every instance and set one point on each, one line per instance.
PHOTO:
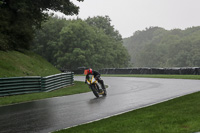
(96, 76)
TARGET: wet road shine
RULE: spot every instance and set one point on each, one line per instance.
(124, 94)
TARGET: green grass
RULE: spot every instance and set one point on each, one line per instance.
(78, 87)
(26, 63)
(180, 115)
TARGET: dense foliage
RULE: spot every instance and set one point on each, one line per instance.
(69, 44)
(104, 24)
(157, 47)
(19, 18)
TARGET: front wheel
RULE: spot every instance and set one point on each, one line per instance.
(95, 91)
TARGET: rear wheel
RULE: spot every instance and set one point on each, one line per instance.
(95, 91)
(105, 92)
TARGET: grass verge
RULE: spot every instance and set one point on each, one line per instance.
(26, 63)
(78, 87)
(180, 115)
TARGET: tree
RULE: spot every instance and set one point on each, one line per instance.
(46, 39)
(76, 43)
(157, 47)
(19, 19)
(104, 23)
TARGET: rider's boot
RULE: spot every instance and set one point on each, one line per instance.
(102, 92)
(102, 84)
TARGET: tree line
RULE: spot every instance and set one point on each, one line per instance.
(93, 42)
(20, 18)
(157, 47)
(69, 44)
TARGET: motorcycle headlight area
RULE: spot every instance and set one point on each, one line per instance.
(93, 80)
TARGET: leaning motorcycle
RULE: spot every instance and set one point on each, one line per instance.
(95, 86)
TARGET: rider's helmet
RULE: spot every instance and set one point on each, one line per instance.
(89, 71)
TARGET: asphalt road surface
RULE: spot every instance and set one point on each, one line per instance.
(124, 94)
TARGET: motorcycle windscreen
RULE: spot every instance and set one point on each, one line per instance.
(91, 78)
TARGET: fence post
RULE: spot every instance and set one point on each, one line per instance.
(72, 78)
(42, 84)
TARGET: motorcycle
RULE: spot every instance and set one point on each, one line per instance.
(95, 86)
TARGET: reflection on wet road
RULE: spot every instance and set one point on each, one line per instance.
(124, 94)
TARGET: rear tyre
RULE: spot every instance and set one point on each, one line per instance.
(105, 92)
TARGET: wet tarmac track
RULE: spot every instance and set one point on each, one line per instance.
(124, 94)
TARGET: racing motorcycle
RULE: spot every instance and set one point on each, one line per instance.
(95, 86)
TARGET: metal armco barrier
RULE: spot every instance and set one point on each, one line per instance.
(175, 71)
(31, 84)
(57, 81)
(19, 85)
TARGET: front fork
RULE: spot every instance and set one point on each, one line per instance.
(97, 87)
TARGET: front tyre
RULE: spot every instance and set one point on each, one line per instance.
(95, 91)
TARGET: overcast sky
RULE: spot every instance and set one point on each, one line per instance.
(128, 16)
